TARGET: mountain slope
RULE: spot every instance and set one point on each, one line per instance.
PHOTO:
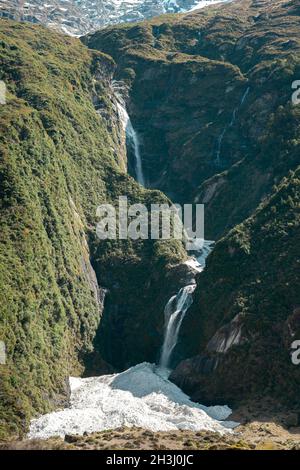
(208, 91)
(61, 157)
(246, 312)
(210, 95)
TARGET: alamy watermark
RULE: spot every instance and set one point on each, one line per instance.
(159, 222)
(295, 355)
(296, 94)
(2, 92)
(2, 353)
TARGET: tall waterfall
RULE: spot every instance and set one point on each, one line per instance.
(175, 311)
(131, 134)
(178, 305)
(232, 121)
(134, 140)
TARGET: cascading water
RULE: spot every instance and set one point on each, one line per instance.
(141, 396)
(232, 121)
(175, 311)
(131, 134)
(178, 305)
(134, 139)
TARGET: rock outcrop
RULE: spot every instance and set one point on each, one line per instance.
(245, 316)
(78, 17)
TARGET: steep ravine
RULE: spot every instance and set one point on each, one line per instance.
(65, 158)
(141, 396)
(62, 155)
(232, 144)
(198, 135)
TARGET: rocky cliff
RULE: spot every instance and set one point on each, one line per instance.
(246, 313)
(78, 17)
(210, 93)
(209, 90)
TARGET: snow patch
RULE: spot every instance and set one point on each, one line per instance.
(205, 3)
(140, 396)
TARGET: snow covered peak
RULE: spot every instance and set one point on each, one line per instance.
(79, 17)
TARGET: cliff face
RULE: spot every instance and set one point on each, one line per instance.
(78, 17)
(210, 94)
(246, 313)
(61, 157)
(209, 91)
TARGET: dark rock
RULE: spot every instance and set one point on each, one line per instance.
(71, 438)
(293, 420)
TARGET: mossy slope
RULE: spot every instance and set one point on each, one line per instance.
(60, 159)
(203, 137)
(246, 312)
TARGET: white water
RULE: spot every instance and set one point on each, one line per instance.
(139, 397)
(134, 138)
(131, 135)
(232, 121)
(175, 311)
(179, 304)
(142, 396)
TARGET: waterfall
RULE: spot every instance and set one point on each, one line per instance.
(179, 304)
(131, 134)
(232, 121)
(219, 146)
(175, 311)
(245, 96)
(134, 139)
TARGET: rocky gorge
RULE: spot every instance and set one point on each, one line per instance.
(211, 121)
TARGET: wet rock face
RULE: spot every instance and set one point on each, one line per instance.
(262, 369)
(245, 316)
(259, 368)
(226, 337)
(132, 325)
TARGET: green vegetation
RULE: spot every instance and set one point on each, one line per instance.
(62, 156)
(188, 76)
(252, 274)
(60, 159)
